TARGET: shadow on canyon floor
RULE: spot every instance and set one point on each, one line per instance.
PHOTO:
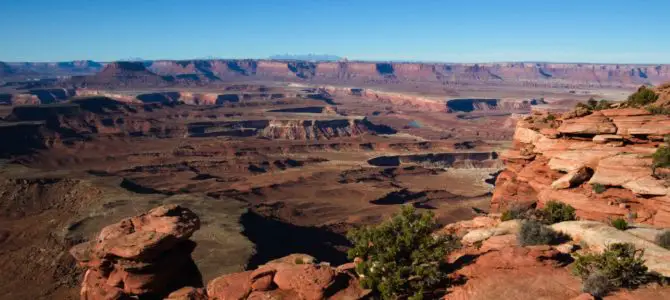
(276, 239)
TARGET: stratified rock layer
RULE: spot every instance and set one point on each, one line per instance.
(552, 161)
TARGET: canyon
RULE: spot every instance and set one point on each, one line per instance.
(233, 169)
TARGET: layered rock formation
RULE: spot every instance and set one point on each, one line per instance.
(52, 69)
(501, 74)
(290, 129)
(554, 159)
(123, 74)
(458, 160)
(519, 74)
(468, 105)
(146, 256)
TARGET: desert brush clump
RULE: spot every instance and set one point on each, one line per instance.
(657, 110)
(642, 97)
(619, 223)
(661, 157)
(402, 257)
(596, 284)
(598, 188)
(593, 105)
(533, 232)
(555, 212)
(515, 212)
(663, 239)
(621, 264)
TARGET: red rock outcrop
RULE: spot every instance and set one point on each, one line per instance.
(147, 255)
(492, 265)
(513, 272)
(293, 277)
(614, 145)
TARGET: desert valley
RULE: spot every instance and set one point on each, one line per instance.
(238, 179)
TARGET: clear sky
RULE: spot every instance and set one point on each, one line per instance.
(612, 31)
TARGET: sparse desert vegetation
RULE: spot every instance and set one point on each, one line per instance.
(401, 258)
(620, 264)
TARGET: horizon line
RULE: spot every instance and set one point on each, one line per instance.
(343, 59)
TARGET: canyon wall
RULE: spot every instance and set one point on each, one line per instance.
(599, 162)
(357, 72)
(515, 74)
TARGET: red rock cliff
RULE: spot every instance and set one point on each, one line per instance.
(561, 160)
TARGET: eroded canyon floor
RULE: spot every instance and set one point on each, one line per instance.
(270, 169)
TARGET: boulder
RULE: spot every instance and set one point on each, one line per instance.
(573, 178)
(463, 227)
(499, 242)
(592, 124)
(283, 279)
(482, 234)
(236, 286)
(188, 293)
(309, 281)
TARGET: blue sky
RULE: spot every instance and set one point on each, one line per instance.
(611, 31)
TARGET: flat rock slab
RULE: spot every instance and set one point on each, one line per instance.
(598, 235)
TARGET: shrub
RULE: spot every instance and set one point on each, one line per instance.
(401, 257)
(555, 212)
(514, 212)
(598, 188)
(299, 261)
(602, 104)
(657, 110)
(596, 284)
(592, 103)
(663, 239)
(620, 224)
(642, 97)
(551, 117)
(533, 232)
(661, 158)
(620, 263)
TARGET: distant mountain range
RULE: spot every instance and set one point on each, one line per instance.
(306, 57)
